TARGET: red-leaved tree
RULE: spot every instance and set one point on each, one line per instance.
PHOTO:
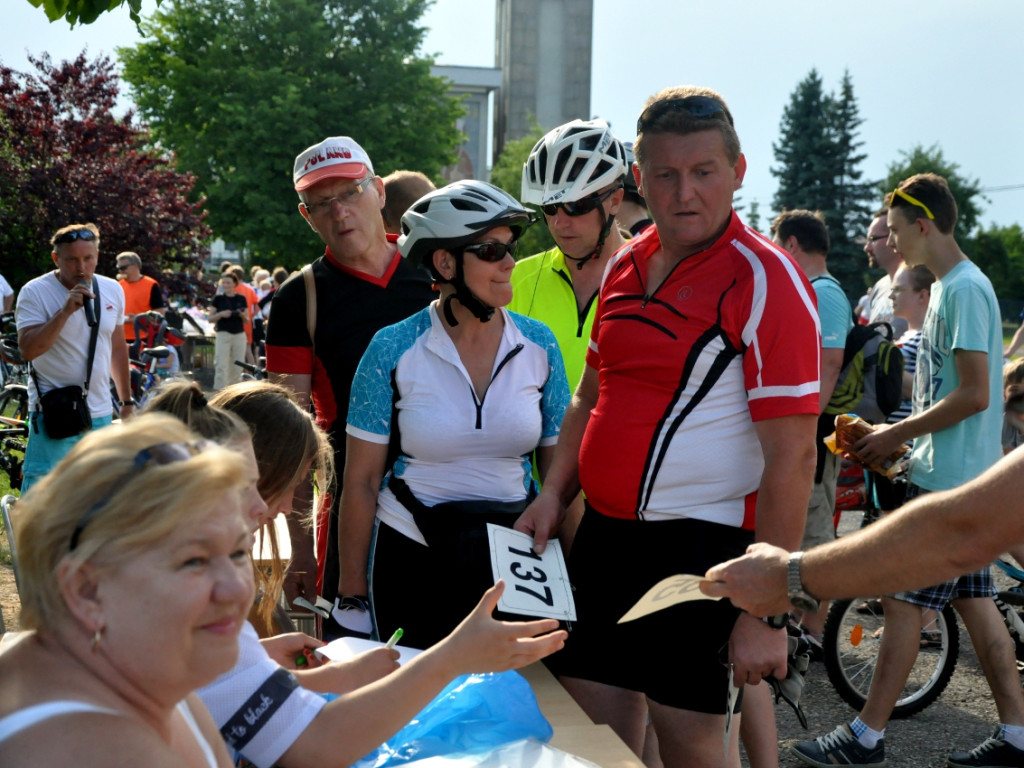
(65, 158)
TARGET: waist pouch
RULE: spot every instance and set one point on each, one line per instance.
(458, 529)
(65, 412)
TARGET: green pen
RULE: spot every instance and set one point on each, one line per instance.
(394, 638)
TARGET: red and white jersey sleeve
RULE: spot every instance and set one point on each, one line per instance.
(730, 337)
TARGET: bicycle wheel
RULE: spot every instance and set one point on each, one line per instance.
(14, 402)
(851, 644)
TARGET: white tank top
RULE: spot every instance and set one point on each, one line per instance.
(26, 718)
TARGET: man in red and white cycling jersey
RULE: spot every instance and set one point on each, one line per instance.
(692, 435)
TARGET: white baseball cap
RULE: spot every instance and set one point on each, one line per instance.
(336, 157)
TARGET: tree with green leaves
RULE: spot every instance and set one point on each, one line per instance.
(237, 88)
(999, 253)
(507, 173)
(87, 11)
(819, 169)
(65, 158)
(966, 191)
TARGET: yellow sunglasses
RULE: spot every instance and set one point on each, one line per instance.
(912, 200)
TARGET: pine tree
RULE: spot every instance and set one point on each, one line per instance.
(819, 159)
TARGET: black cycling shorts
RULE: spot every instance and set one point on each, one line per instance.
(675, 656)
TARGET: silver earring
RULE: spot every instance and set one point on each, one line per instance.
(97, 636)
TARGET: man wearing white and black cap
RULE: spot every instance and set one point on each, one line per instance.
(361, 285)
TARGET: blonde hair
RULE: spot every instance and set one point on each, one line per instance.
(286, 442)
(139, 506)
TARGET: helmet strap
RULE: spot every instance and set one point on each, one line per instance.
(606, 228)
(481, 311)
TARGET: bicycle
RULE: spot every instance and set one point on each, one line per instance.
(13, 438)
(253, 372)
(853, 636)
(13, 367)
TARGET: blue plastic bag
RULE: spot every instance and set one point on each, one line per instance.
(475, 713)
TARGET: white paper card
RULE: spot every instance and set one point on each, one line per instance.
(535, 585)
(667, 592)
(345, 648)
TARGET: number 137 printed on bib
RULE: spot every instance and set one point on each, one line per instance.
(535, 585)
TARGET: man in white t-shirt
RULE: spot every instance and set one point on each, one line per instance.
(53, 334)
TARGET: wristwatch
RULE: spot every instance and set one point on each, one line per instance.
(778, 621)
(123, 403)
(799, 597)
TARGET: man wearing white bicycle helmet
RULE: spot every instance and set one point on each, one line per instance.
(448, 405)
(575, 173)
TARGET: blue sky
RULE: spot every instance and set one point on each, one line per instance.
(952, 75)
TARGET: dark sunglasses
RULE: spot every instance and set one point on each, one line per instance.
(159, 454)
(700, 107)
(578, 207)
(75, 234)
(491, 252)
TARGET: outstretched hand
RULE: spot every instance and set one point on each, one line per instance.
(755, 582)
(483, 644)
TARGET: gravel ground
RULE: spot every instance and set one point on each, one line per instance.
(962, 717)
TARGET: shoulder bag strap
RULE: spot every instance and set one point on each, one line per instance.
(92, 337)
(307, 278)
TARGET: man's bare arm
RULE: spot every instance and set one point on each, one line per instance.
(969, 397)
(831, 367)
(933, 538)
(37, 339)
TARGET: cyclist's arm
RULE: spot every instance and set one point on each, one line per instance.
(365, 463)
(787, 442)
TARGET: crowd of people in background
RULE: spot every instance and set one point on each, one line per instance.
(652, 391)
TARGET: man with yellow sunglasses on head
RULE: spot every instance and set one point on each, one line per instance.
(956, 425)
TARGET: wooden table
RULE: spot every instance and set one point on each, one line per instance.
(574, 731)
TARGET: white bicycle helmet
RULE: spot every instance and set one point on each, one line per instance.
(452, 217)
(571, 162)
(456, 215)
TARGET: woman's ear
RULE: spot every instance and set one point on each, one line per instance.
(79, 587)
(444, 263)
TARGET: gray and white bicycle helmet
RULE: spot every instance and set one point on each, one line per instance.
(452, 217)
(571, 162)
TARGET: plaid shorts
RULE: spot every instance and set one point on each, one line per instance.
(977, 584)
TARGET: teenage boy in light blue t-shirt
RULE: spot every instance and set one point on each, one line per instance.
(956, 427)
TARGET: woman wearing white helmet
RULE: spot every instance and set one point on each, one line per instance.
(449, 406)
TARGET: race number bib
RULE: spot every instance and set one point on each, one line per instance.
(535, 585)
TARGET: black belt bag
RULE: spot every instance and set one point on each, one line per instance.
(458, 528)
(65, 412)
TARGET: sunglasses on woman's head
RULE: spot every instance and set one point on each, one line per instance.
(159, 454)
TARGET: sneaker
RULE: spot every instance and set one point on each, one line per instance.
(839, 748)
(994, 752)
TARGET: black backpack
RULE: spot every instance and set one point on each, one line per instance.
(870, 383)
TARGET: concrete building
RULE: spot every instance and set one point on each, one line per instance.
(543, 50)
